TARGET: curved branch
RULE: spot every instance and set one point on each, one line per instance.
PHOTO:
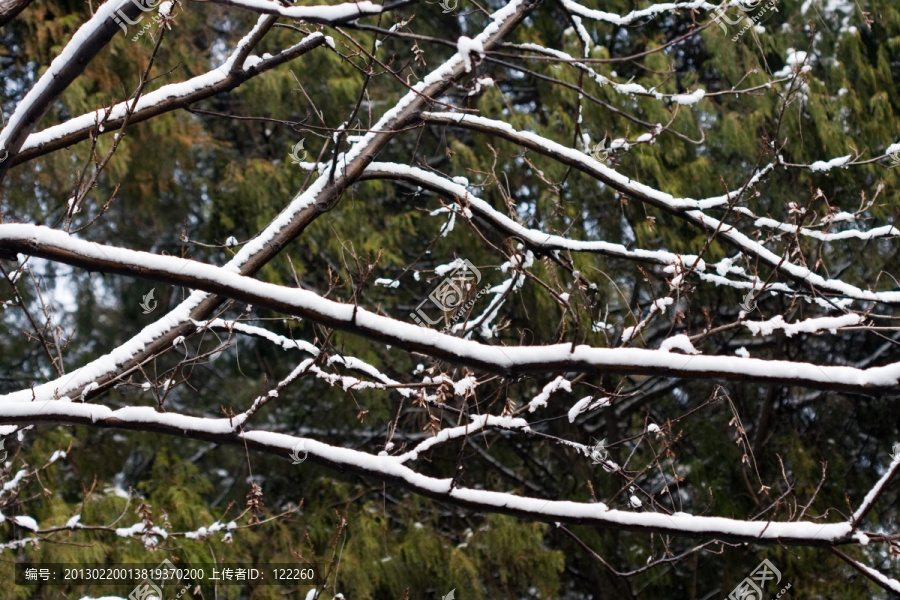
(167, 98)
(509, 361)
(74, 58)
(327, 14)
(390, 469)
(303, 209)
(533, 238)
(689, 209)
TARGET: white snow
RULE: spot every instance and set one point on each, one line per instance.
(631, 88)
(466, 46)
(465, 385)
(679, 342)
(14, 482)
(794, 60)
(663, 303)
(579, 407)
(478, 423)
(688, 99)
(391, 283)
(25, 522)
(807, 326)
(560, 383)
(532, 236)
(171, 91)
(877, 232)
(822, 167)
(334, 12)
(82, 38)
(653, 10)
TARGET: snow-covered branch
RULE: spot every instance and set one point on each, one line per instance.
(167, 98)
(71, 62)
(59, 246)
(392, 469)
(330, 14)
(299, 213)
(691, 210)
(533, 238)
(627, 19)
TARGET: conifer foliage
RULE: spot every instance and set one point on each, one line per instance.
(506, 299)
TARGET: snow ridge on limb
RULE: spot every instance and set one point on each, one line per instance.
(687, 208)
(167, 98)
(656, 9)
(888, 583)
(873, 495)
(302, 210)
(848, 234)
(807, 326)
(532, 237)
(390, 468)
(331, 14)
(71, 62)
(479, 423)
(506, 360)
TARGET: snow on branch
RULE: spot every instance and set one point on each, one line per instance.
(888, 583)
(260, 332)
(807, 326)
(507, 360)
(847, 234)
(873, 495)
(479, 423)
(69, 64)
(392, 469)
(165, 99)
(330, 14)
(302, 209)
(687, 208)
(652, 11)
(533, 238)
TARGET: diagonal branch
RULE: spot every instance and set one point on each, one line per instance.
(509, 361)
(10, 9)
(875, 493)
(307, 206)
(689, 209)
(167, 98)
(535, 239)
(888, 583)
(390, 469)
(71, 62)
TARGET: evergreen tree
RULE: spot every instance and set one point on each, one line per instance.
(651, 246)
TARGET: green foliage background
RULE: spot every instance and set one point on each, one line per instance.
(189, 181)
